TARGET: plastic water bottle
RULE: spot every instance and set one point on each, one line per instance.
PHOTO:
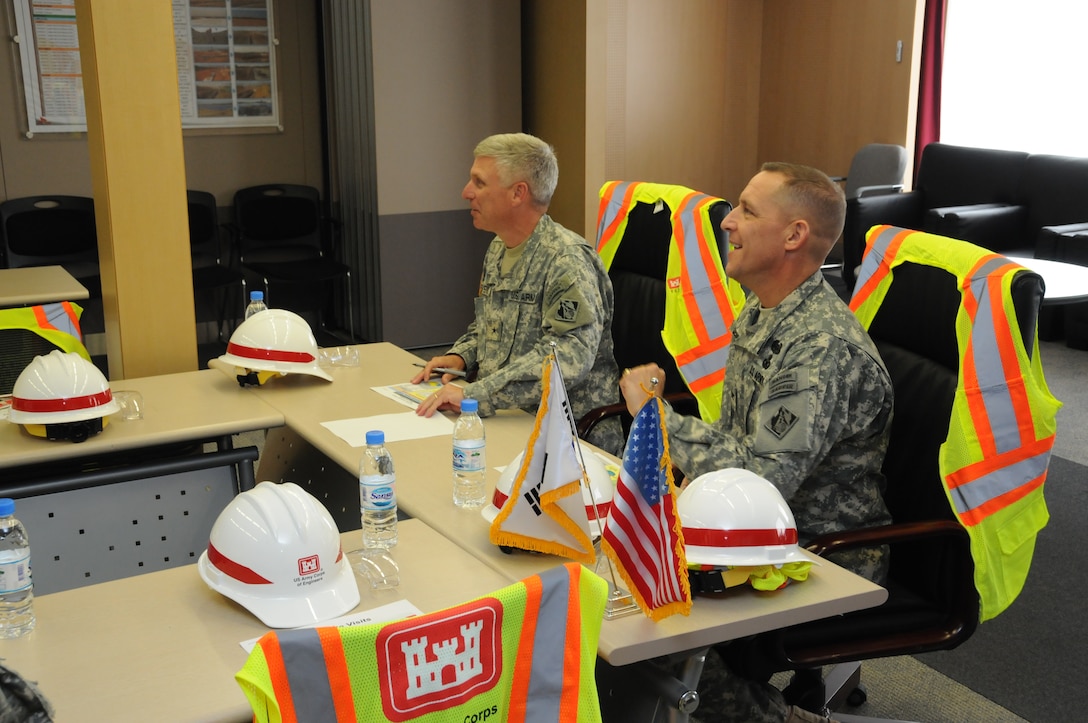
(377, 493)
(16, 585)
(256, 303)
(469, 457)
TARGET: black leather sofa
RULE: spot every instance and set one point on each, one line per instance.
(1017, 203)
(1008, 201)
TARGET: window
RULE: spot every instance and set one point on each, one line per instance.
(1014, 76)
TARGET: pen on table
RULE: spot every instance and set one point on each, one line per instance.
(443, 370)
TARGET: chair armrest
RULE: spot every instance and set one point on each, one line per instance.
(879, 190)
(1066, 242)
(994, 226)
(683, 402)
(884, 535)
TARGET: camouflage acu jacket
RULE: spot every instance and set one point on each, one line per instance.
(807, 404)
(558, 291)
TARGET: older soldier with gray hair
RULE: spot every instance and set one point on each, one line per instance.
(542, 284)
(806, 404)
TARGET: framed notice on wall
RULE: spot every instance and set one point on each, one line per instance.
(226, 56)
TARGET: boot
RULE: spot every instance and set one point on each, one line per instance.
(800, 715)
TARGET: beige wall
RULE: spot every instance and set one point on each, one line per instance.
(445, 76)
(701, 92)
(830, 81)
(216, 161)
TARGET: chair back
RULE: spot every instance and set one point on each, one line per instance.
(876, 168)
(638, 274)
(924, 370)
(51, 230)
(279, 222)
(204, 243)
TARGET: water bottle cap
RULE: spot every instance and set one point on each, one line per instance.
(375, 436)
(469, 405)
(256, 296)
(7, 507)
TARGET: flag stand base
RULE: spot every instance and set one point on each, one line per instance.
(620, 603)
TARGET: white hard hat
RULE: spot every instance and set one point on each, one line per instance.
(600, 489)
(276, 551)
(58, 391)
(277, 341)
(734, 518)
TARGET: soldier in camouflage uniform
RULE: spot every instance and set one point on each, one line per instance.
(807, 402)
(543, 287)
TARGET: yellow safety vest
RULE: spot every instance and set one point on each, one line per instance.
(701, 304)
(58, 323)
(994, 460)
(523, 654)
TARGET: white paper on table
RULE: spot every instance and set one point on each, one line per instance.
(398, 610)
(397, 427)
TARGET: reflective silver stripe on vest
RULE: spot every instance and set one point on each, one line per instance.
(549, 648)
(871, 263)
(612, 208)
(307, 674)
(713, 319)
(987, 359)
(979, 491)
(58, 317)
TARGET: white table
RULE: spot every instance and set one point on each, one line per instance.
(163, 646)
(30, 285)
(304, 451)
(1064, 283)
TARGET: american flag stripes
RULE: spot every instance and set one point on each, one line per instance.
(643, 536)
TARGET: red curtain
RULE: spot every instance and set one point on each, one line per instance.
(929, 81)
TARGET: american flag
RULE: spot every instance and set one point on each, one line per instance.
(643, 536)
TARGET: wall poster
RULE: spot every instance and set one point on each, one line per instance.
(225, 55)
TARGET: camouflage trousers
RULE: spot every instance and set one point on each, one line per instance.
(728, 695)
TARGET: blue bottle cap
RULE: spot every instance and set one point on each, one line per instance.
(256, 296)
(469, 405)
(7, 507)
(375, 436)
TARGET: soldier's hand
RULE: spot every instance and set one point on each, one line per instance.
(637, 382)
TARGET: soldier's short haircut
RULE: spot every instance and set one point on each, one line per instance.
(522, 157)
(814, 194)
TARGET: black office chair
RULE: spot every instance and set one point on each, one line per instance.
(211, 271)
(56, 231)
(933, 603)
(638, 274)
(285, 240)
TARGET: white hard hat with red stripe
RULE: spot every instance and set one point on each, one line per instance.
(733, 518)
(60, 388)
(276, 551)
(275, 340)
(598, 496)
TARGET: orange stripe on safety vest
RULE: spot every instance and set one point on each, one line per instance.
(711, 346)
(621, 217)
(721, 296)
(523, 666)
(336, 664)
(42, 319)
(277, 675)
(73, 317)
(694, 315)
(972, 393)
(572, 649)
(885, 265)
(1018, 393)
(980, 513)
(991, 464)
(707, 381)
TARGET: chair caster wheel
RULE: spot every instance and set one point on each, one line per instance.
(857, 696)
